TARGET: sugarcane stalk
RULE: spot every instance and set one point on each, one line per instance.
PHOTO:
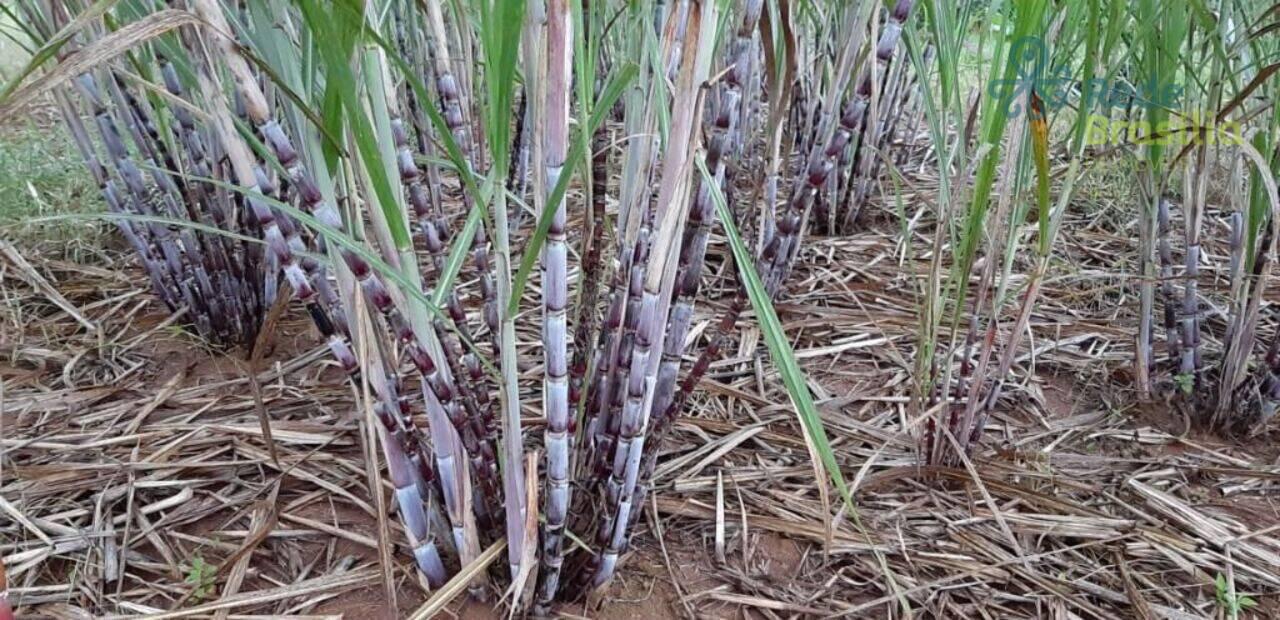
(633, 236)
(884, 51)
(410, 475)
(724, 131)
(603, 386)
(779, 241)
(483, 452)
(518, 167)
(156, 273)
(870, 145)
(590, 273)
(1168, 297)
(455, 480)
(780, 250)
(555, 294)
(1240, 346)
(620, 368)
(672, 209)
(1269, 390)
(450, 92)
(451, 104)
(1190, 360)
(167, 243)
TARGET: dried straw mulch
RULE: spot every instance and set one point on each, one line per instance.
(129, 452)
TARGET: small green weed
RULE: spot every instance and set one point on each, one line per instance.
(1233, 604)
(201, 576)
(1186, 382)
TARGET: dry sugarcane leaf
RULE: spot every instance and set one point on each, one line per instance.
(262, 521)
(522, 584)
(98, 52)
(38, 281)
(328, 583)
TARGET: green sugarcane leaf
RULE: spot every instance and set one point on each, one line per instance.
(451, 147)
(533, 248)
(23, 26)
(784, 358)
(340, 34)
(500, 29)
(331, 117)
(457, 255)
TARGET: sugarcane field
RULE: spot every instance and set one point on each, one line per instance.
(907, 309)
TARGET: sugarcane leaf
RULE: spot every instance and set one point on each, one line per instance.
(457, 255)
(995, 119)
(451, 147)
(533, 248)
(25, 28)
(51, 47)
(500, 29)
(1261, 78)
(1039, 128)
(331, 117)
(100, 51)
(784, 358)
(340, 29)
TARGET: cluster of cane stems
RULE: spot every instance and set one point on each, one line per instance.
(408, 456)
(1224, 395)
(725, 128)
(860, 163)
(234, 147)
(221, 284)
(1225, 379)
(653, 261)
(781, 240)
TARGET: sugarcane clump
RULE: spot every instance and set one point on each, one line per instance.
(342, 157)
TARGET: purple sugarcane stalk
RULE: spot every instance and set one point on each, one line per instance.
(1168, 297)
(411, 177)
(725, 126)
(165, 241)
(778, 253)
(658, 285)
(871, 143)
(273, 135)
(592, 266)
(555, 294)
(724, 131)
